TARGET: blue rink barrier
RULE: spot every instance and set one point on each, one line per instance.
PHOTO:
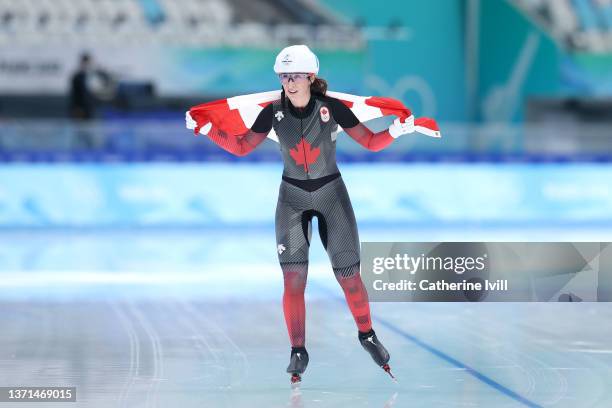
(269, 155)
(244, 194)
(162, 139)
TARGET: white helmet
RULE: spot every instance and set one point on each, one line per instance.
(296, 58)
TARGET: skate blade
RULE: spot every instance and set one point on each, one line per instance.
(388, 371)
(296, 380)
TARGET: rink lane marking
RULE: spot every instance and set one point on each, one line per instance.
(157, 351)
(439, 353)
(134, 370)
(541, 364)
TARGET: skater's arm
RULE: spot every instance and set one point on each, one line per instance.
(239, 145)
(244, 143)
(368, 139)
(360, 133)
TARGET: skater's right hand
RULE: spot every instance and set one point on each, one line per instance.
(192, 124)
(399, 127)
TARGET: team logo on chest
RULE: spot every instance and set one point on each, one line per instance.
(303, 154)
(324, 114)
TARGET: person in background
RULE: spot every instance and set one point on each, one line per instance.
(81, 98)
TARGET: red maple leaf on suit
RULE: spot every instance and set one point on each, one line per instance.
(303, 154)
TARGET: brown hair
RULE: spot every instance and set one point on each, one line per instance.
(318, 86)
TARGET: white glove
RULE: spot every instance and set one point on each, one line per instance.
(191, 124)
(399, 128)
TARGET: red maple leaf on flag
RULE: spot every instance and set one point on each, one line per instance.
(303, 154)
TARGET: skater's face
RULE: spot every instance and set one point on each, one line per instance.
(297, 87)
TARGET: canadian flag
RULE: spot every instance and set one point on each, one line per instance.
(236, 115)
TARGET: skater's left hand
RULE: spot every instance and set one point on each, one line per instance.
(192, 124)
(189, 122)
(399, 127)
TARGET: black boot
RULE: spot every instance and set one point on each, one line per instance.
(297, 363)
(379, 353)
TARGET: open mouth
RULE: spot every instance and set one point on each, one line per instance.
(292, 92)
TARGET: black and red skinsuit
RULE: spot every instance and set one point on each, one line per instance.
(312, 186)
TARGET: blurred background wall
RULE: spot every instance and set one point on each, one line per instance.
(93, 94)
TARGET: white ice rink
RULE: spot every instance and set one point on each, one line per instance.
(193, 318)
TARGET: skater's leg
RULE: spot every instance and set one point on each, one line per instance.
(338, 230)
(294, 275)
(293, 230)
(356, 296)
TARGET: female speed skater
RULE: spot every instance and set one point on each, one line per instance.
(305, 120)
